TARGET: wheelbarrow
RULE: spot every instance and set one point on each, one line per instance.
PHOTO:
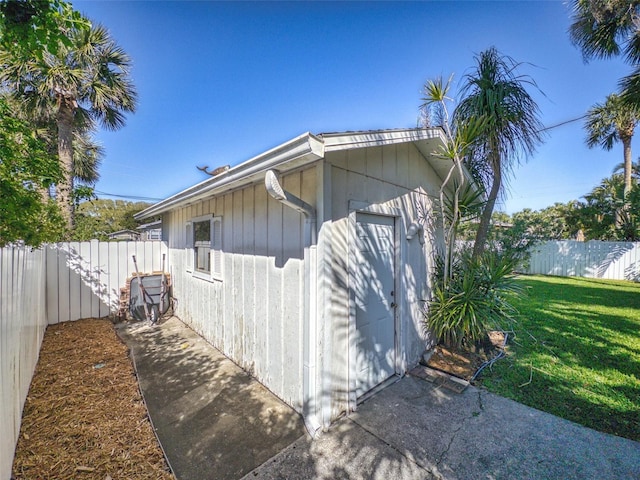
(149, 297)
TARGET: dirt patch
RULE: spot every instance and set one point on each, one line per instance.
(84, 417)
(464, 363)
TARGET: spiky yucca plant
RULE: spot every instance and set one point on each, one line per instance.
(476, 299)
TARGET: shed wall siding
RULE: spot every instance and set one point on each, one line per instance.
(254, 315)
(389, 177)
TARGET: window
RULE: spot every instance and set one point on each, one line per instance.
(204, 247)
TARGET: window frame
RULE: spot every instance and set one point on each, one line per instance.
(216, 260)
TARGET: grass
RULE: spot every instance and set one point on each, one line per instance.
(576, 353)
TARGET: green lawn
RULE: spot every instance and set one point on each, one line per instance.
(576, 353)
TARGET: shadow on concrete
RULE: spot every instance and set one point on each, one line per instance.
(416, 430)
(213, 420)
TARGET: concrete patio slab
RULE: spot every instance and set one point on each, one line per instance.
(417, 429)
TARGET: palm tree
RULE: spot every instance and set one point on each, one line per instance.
(609, 29)
(87, 157)
(511, 127)
(81, 86)
(609, 214)
(612, 122)
(635, 170)
(606, 29)
(87, 153)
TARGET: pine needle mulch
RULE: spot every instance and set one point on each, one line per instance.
(84, 417)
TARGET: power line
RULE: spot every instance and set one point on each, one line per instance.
(153, 199)
(563, 123)
(133, 197)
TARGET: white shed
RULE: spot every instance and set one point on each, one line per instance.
(317, 286)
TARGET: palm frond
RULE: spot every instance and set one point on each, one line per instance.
(494, 92)
(604, 29)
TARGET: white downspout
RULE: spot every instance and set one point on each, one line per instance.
(309, 394)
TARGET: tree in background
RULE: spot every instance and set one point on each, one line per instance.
(606, 29)
(84, 83)
(511, 127)
(29, 28)
(550, 223)
(96, 219)
(602, 215)
(26, 169)
(635, 170)
(611, 122)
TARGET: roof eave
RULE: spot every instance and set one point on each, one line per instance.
(351, 140)
(443, 165)
(301, 150)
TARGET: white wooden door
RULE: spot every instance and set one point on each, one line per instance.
(375, 301)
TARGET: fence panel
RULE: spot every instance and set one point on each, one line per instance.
(22, 324)
(594, 259)
(58, 283)
(84, 279)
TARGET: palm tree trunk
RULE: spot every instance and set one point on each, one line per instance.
(626, 144)
(485, 219)
(64, 190)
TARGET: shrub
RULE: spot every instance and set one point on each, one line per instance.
(475, 299)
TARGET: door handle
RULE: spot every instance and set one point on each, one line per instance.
(393, 305)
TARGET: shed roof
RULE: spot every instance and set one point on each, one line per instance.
(123, 232)
(301, 150)
(150, 226)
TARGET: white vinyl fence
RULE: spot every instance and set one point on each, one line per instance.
(84, 278)
(594, 259)
(57, 283)
(22, 324)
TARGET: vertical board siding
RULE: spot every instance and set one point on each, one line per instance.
(393, 177)
(254, 314)
(592, 259)
(22, 324)
(84, 278)
(292, 289)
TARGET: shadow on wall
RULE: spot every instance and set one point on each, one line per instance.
(612, 256)
(75, 288)
(632, 272)
(360, 295)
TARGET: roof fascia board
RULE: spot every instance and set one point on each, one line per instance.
(305, 145)
(346, 141)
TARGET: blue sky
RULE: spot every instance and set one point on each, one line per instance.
(220, 82)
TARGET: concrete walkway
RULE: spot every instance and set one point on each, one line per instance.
(212, 419)
(216, 422)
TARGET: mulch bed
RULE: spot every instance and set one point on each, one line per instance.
(464, 363)
(84, 417)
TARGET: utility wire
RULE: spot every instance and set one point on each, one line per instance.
(563, 123)
(133, 197)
